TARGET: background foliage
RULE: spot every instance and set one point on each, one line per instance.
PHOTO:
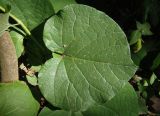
(40, 56)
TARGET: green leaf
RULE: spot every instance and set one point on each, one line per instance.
(142, 104)
(148, 46)
(138, 46)
(135, 35)
(145, 83)
(59, 4)
(94, 61)
(17, 100)
(125, 103)
(29, 13)
(32, 80)
(144, 28)
(4, 24)
(137, 57)
(156, 62)
(48, 112)
(18, 42)
(36, 68)
(152, 79)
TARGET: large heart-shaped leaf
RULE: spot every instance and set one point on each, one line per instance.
(28, 13)
(125, 103)
(94, 59)
(16, 100)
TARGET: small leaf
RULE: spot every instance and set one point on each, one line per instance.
(135, 35)
(156, 62)
(137, 47)
(152, 79)
(137, 57)
(141, 88)
(16, 100)
(145, 83)
(32, 80)
(144, 28)
(148, 46)
(93, 59)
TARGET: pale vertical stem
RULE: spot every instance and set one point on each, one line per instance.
(8, 59)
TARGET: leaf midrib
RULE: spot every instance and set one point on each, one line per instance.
(78, 58)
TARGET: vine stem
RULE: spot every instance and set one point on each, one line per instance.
(8, 59)
(18, 21)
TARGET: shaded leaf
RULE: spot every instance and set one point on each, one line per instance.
(17, 100)
(153, 11)
(4, 24)
(135, 35)
(156, 62)
(137, 57)
(144, 28)
(137, 47)
(36, 13)
(142, 105)
(18, 42)
(148, 46)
